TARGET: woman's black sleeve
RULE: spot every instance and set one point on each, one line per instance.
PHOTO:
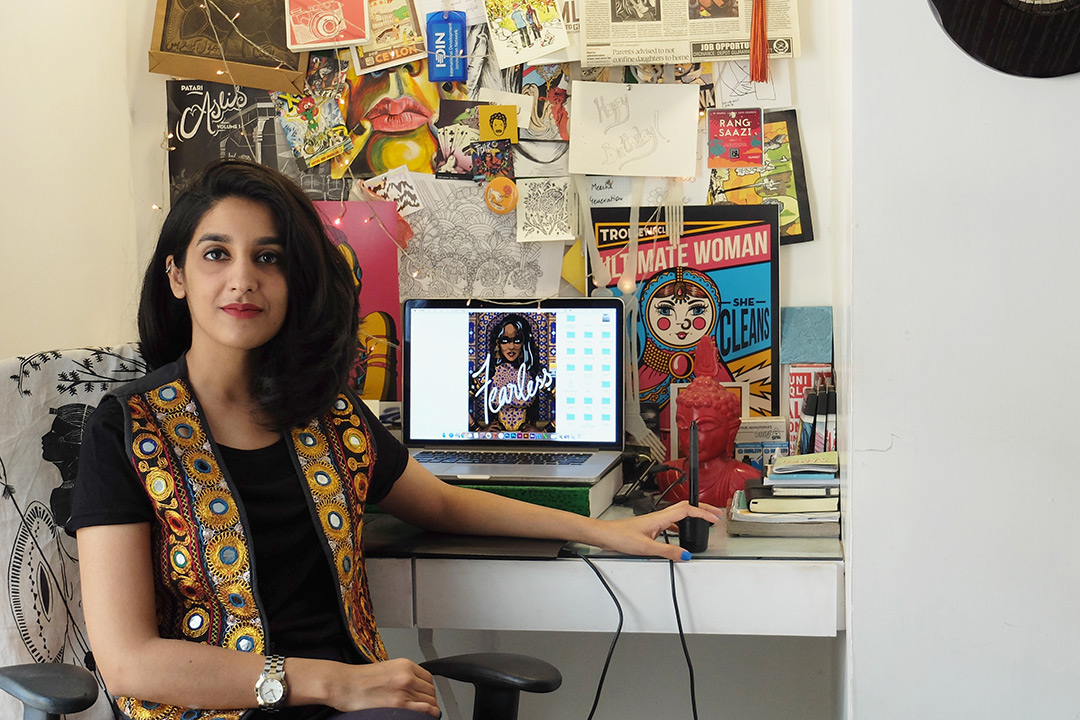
(391, 457)
(107, 490)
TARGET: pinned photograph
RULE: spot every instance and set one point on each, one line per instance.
(457, 128)
(492, 159)
(549, 88)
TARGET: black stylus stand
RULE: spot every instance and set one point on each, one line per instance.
(693, 532)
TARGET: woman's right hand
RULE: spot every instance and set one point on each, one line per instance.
(398, 683)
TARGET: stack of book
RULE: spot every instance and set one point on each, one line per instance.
(798, 496)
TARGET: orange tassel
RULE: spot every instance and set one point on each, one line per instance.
(759, 44)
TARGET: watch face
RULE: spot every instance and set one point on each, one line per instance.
(271, 691)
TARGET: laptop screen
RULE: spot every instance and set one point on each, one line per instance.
(544, 374)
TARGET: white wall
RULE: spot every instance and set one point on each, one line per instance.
(82, 167)
(962, 552)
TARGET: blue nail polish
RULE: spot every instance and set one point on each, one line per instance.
(686, 555)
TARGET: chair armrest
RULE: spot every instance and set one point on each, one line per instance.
(51, 687)
(501, 670)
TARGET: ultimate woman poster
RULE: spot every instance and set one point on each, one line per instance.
(720, 279)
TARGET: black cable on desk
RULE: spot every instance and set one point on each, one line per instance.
(614, 640)
(618, 632)
(682, 635)
(682, 639)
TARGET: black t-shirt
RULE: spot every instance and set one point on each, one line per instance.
(295, 581)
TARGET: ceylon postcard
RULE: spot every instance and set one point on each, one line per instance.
(396, 35)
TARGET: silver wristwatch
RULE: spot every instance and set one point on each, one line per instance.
(270, 688)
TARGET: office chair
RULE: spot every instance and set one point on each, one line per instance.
(498, 678)
(49, 690)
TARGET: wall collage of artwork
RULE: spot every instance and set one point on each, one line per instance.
(517, 149)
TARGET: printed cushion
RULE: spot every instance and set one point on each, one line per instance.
(45, 400)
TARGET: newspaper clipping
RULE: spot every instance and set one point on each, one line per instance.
(633, 32)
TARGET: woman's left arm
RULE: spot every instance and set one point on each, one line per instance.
(420, 498)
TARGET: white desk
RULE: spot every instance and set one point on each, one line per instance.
(739, 586)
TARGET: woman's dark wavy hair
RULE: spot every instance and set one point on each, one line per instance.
(529, 354)
(300, 371)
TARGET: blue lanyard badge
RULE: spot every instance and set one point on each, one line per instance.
(446, 46)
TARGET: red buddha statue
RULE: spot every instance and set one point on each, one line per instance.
(717, 412)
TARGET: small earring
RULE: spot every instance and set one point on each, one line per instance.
(168, 268)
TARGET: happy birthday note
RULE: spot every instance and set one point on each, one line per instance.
(640, 130)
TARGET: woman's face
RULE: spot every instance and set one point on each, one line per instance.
(233, 278)
(510, 343)
(680, 321)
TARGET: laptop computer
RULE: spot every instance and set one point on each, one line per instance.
(514, 393)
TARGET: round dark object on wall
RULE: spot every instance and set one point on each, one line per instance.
(1031, 38)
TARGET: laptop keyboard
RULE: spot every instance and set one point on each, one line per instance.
(495, 457)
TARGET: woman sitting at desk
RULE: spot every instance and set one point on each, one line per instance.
(220, 498)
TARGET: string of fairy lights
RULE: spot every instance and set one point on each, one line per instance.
(336, 90)
(351, 181)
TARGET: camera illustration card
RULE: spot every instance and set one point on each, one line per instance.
(321, 24)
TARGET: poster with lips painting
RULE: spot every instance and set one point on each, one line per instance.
(391, 115)
(720, 279)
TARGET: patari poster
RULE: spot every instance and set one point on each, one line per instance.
(720, 279)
